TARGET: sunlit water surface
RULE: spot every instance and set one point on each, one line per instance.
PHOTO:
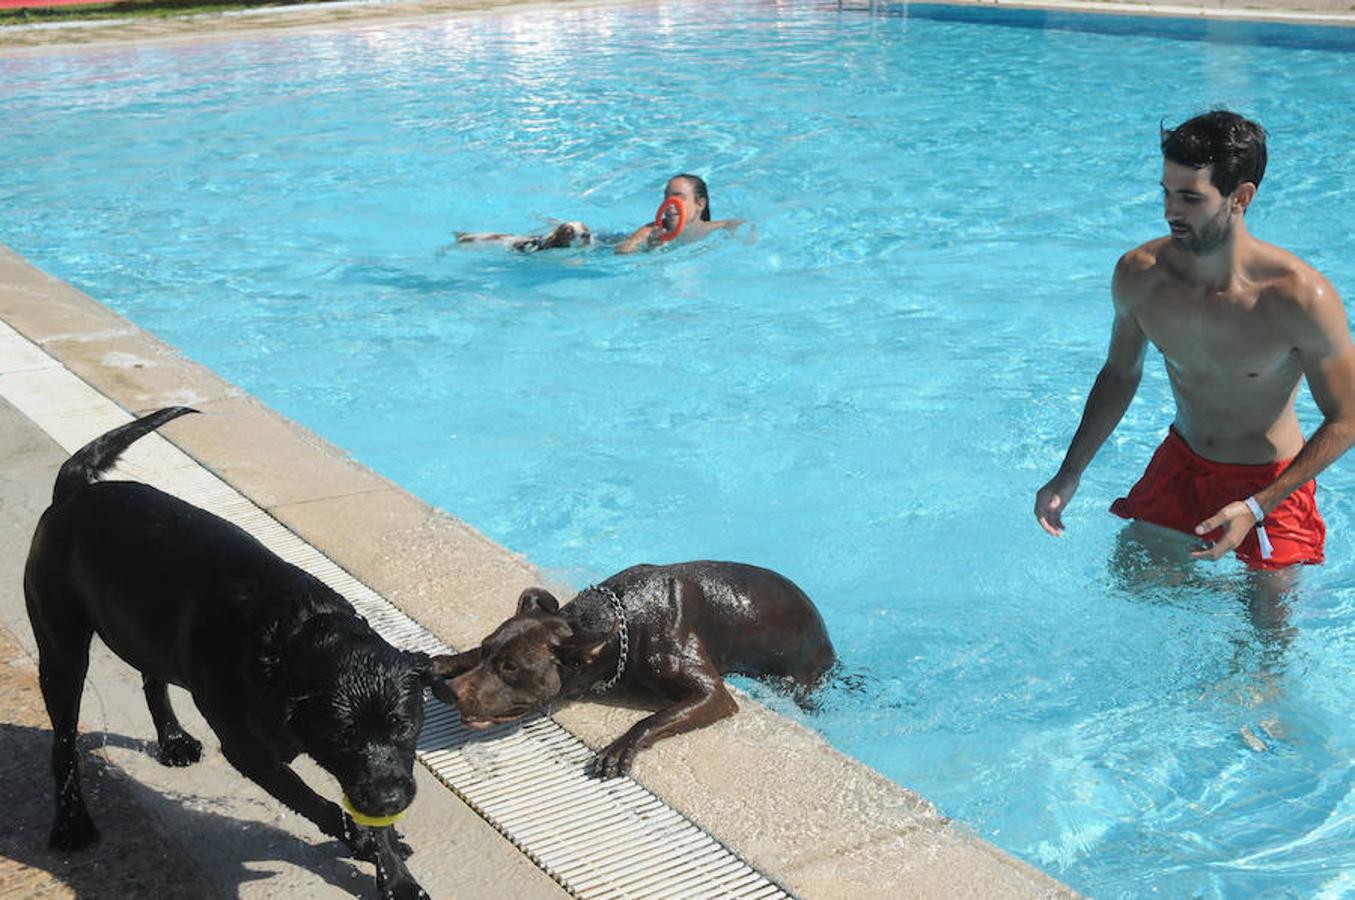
(864, 397)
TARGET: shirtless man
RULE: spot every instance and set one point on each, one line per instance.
(1239, 324)
(695, 199)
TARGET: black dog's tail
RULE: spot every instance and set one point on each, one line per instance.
(92, 460)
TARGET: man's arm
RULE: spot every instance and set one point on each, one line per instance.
(1321, 334)
(1110, 396)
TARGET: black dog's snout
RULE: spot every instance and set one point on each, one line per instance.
(383, 785)
(382, 796)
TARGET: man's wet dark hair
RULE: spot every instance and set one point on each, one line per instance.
(1233, 145)
(699, 188)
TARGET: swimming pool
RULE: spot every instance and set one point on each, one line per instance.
(865, 398)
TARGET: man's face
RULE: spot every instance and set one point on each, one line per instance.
(1199, 216)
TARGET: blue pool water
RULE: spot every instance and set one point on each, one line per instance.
(865, 396)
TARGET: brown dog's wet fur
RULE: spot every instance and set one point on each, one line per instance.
(566, 234)
(278, 663)
(687, 625)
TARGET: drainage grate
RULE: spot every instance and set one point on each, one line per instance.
(598, 839)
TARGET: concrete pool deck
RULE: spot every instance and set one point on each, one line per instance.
(812, 819)
(59, 37)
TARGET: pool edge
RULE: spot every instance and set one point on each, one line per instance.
(745, 780)
(26, 40)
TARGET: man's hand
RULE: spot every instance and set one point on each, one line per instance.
(1052, 499)
(1235, 519)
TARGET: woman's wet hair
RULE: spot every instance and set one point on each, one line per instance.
(1233, 145)
(699, 189)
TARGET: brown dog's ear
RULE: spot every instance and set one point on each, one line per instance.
(576, 654)
(444, 668)
(536, 599)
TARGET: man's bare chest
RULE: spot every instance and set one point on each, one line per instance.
(1217, 336)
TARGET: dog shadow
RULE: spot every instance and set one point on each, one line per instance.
(141, 850)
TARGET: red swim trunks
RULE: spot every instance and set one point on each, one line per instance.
(1180, 489)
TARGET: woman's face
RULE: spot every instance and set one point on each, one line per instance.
(685, 190)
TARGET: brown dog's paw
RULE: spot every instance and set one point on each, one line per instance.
(616, 760)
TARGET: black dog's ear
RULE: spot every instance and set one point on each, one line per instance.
(421, 667)
(536, 599)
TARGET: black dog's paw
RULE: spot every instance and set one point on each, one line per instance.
(401, 847)
(398, 885)
(73, 832)
(406, 889)
(180, 750)
(361, 842)
(365, 843)
(615, 760)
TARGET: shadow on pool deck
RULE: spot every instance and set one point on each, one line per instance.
(131, 862)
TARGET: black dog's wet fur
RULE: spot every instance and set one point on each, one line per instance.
(278, 663)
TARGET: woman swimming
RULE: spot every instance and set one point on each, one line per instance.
(686, 217)
(692, 225)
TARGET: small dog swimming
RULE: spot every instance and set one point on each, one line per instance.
(566, 234)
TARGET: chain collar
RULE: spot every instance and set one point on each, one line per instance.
(624, 650)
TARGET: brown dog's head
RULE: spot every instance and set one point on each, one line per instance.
(566, 234)
(572, 234)
(524, 664)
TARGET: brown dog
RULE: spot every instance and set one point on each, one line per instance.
(566, 234)
(669, 630)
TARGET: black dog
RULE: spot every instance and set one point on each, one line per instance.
(278, 663)
(668, 630)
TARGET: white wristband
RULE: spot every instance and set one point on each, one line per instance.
(1255, 509)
